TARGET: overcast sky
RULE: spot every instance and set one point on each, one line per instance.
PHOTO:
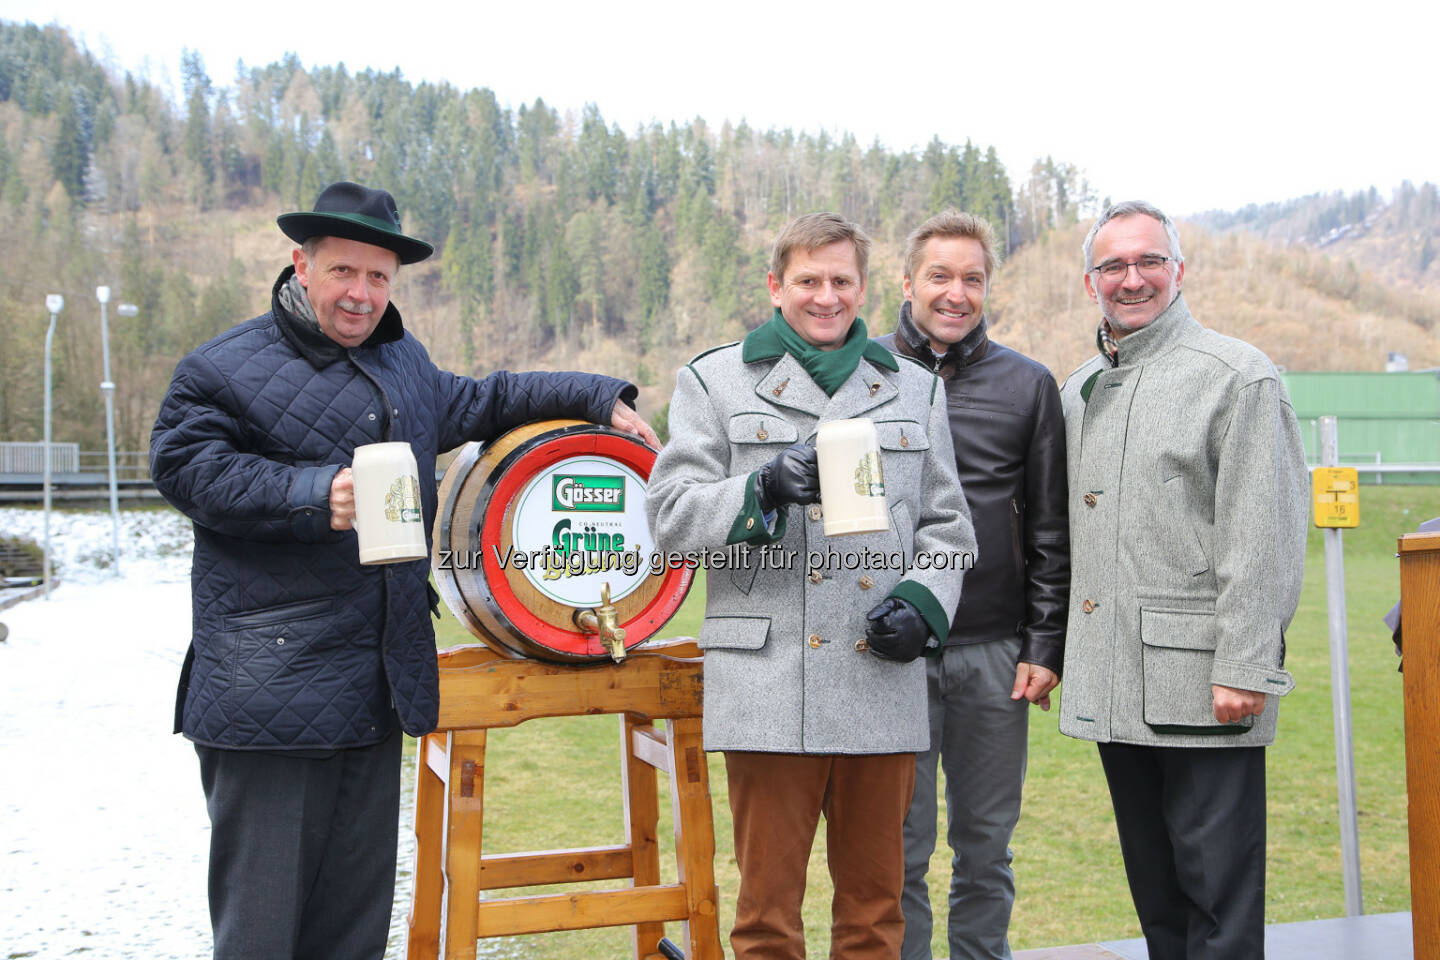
(1189, 105)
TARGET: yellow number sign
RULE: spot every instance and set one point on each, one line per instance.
(1336, 493)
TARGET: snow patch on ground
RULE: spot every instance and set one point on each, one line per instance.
(103, 830)
(155, 543)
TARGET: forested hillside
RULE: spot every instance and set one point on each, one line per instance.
(563, 241)
(1397, 238)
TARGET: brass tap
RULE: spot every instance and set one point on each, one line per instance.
(604, 620)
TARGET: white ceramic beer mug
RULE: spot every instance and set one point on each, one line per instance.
(852, 481)
(389, 519)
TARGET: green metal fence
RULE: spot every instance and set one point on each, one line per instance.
(1386, 420)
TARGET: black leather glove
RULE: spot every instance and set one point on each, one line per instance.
(792, 477)
(896, 630)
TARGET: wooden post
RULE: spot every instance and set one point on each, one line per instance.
(1420, 621)
(642, 813)
(432, 770)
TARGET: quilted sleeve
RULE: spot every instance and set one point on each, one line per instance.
(484, 409)
(199, 463)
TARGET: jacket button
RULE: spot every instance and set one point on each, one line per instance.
(1089, 499)
(815, 640)
(396, 411)
(814, 511)
(874, 388)
(861, 646)
(749, 523)
(761, 434)
(1088, 606)
(280, 641)
(372, 416)
(815, 576)
(866, 582)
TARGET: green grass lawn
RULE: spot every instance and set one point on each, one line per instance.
(555, 783)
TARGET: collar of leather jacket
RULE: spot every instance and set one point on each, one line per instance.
(915, 344)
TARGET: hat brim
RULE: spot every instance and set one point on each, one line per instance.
(302, 226)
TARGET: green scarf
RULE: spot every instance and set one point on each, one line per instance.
(828, 368)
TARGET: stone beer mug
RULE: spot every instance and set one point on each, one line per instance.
(389, 519)
(852, 482)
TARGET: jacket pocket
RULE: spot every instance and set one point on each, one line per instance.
(271, 656)
(1186, 540)
(1178, 652)
(756, 437)
(757, 427)
(284, 613)
(902, 435)
(901, 527)
(743, 575)
(734, 633)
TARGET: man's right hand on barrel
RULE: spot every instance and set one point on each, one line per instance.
(792, 477)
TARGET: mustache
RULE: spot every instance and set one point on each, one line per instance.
(351, 306)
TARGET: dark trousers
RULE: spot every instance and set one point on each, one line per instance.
(302, 851)
(776, 800)
(1192, 832)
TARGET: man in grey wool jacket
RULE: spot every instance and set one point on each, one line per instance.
(1187, 536)
(813, 688)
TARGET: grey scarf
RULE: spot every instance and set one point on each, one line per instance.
(295, 300)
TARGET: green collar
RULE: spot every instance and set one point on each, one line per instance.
(828, 368)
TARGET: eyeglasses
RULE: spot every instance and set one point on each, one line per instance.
(1115, 269)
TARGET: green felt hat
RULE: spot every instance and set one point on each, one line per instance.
(348, 210)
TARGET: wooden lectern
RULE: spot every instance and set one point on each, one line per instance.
(479, 689)
(1420, 623)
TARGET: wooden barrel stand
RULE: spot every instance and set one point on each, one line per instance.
(480, 690)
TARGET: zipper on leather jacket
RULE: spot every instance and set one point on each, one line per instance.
(1015, 539)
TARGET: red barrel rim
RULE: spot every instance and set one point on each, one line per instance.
(519, 469)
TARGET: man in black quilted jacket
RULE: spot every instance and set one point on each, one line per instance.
(304, 666)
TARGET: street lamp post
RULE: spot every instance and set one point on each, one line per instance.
(107, 387)
(54, 303)
(126, 310)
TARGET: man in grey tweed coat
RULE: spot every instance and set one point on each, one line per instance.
(812, 684)
(1187, 533)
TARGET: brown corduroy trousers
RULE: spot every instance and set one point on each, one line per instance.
(776, 800)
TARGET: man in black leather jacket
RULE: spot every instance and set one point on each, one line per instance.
(1007, 641)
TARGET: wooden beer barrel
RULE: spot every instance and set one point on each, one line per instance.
(532, 526)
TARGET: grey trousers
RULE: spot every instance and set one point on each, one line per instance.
(302, 851)
(979, 734)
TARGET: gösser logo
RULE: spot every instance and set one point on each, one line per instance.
(589, 494)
